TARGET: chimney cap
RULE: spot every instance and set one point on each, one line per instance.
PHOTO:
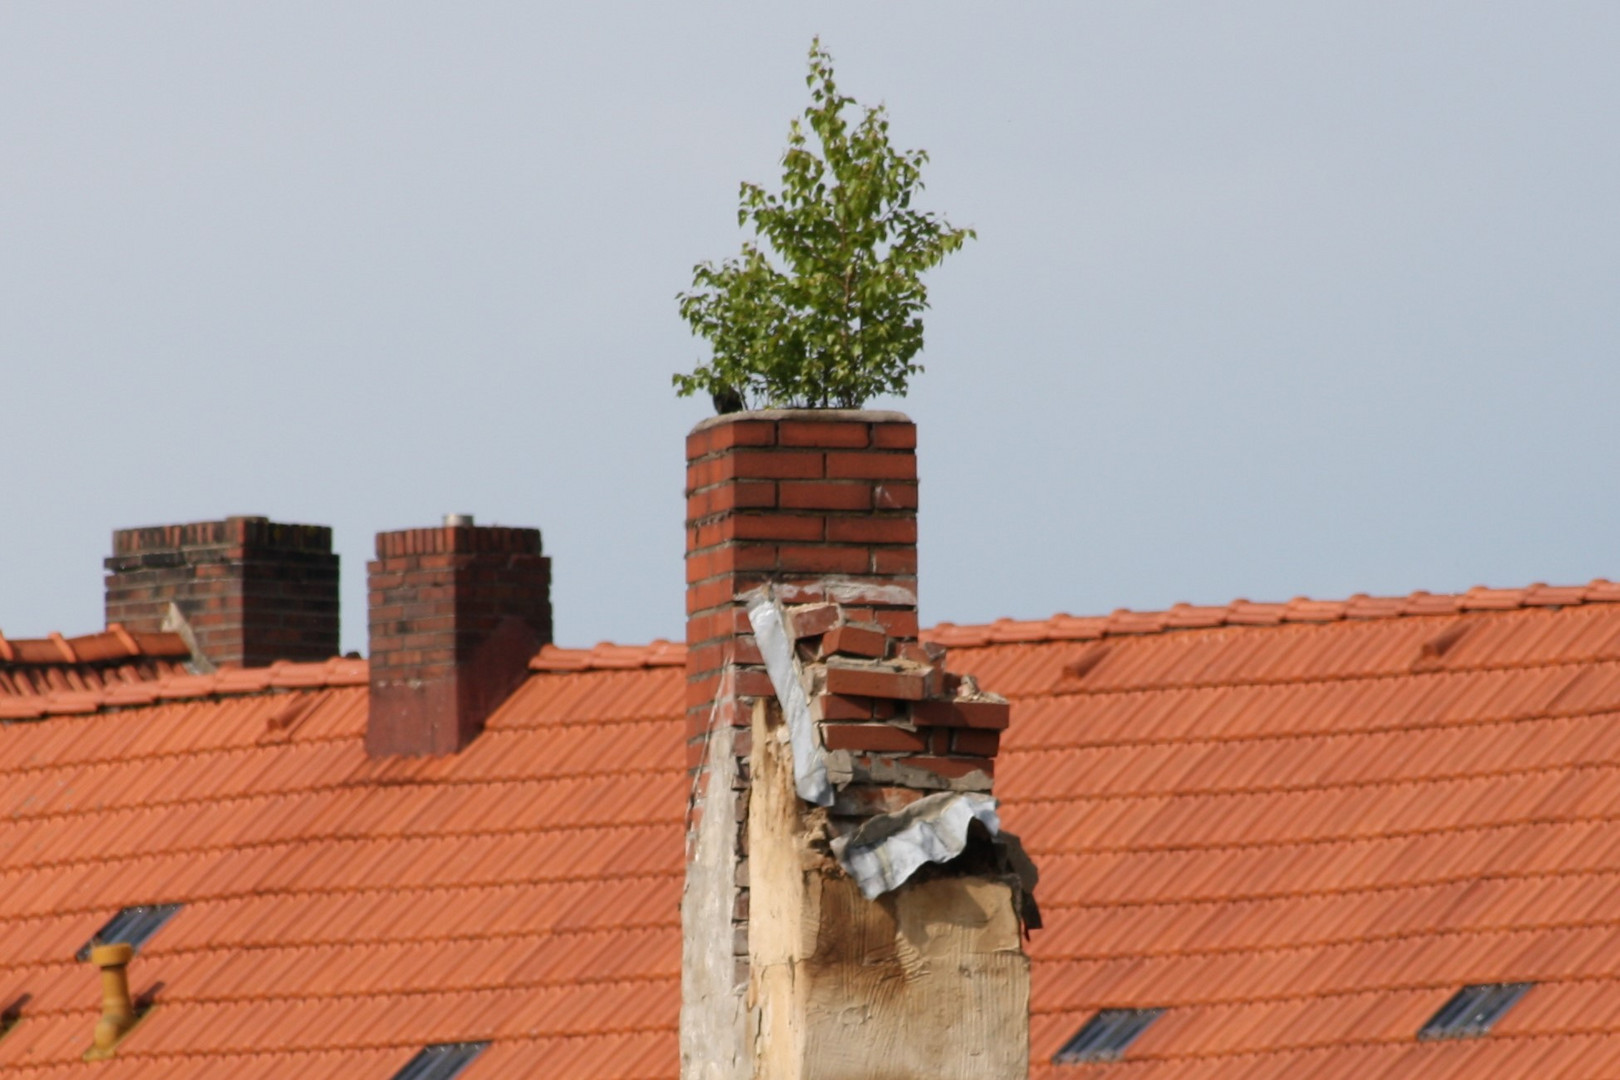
(112, 954)
(458, 521)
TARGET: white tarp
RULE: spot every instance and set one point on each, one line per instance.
(886, 850)
(809, 766)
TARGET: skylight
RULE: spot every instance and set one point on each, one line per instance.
(1106, 1036)
(131, 927)
(440, 1061)
(1473, 1010)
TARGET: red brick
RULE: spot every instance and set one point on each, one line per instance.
(894, 435)
(992, 715)
(720, 591)
(882, 738)
(735, 495)
(855, 465)
(773, 465)
(872, 530)
(866, 682)
(897, 623)
(813, 619)
(724, 436)
(822, 560)
(771, 527)
(974, 741)
(825, 495)
(855, 641)
(729, 559)
(830, 433)
(897, 560)
(843, 707)
(756, 684)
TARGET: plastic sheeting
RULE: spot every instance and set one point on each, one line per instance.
(809, 764)
(886, 850)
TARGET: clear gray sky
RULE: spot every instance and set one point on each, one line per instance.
(1269, 298)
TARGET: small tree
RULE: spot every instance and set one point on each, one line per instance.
(841, 320)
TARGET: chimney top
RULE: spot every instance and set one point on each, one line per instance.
(458, 521)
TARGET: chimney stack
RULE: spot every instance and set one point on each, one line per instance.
(456, 613)
(829, 746)
(253, 591)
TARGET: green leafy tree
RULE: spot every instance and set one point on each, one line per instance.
(828, 313)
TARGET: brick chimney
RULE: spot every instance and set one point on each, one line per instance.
(251, 591)
(818, 727)
(456, 613)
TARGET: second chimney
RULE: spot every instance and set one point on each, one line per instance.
(252, 591)
(456, 612)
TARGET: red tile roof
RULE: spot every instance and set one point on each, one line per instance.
(114, 657)
(1299, 828)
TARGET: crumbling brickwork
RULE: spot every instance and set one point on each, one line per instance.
(810, 518)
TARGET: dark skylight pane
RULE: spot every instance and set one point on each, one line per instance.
(1473, 1010)
(441, 1061)
(1106, 1035)
(132, 927)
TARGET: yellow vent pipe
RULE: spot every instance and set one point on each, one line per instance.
(117, 1009)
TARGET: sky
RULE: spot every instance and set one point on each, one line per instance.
(1268, 299)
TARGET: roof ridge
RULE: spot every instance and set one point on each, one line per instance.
(1361, 607)
(231, 682)
(116, 644)
(661, 652)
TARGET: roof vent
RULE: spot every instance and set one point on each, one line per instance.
(458, 521)
(440, 1061)
(117, 1010)
(1106, 1036)
(1473, 1010)
(131, 926)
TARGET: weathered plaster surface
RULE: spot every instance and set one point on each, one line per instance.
(928, 982)
(714, 1045)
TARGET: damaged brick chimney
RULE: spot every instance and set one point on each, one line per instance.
(456, 613)
(829, 747)
(250, 591)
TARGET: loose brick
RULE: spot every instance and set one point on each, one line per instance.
(879, 738)
(850, 640)
(868, 682)
(991, 715)
(897, 622)
(841, 707)
(812, 619)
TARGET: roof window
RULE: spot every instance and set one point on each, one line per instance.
(131, 926)
(1473, 1010)
(440, 1061)
(1106, 1036)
